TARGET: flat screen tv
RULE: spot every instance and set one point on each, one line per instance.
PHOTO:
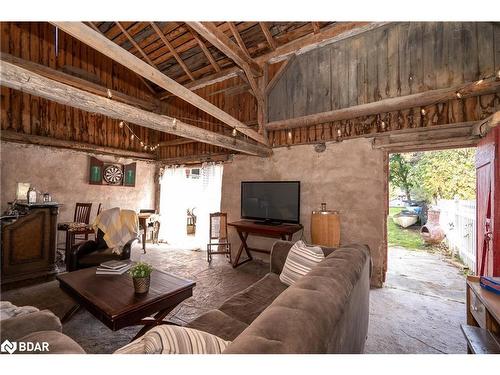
(271, 201)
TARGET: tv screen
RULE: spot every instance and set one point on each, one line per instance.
(271, 201)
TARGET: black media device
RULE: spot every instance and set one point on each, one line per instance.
(271, 202)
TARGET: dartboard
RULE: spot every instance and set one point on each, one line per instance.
(113, 174)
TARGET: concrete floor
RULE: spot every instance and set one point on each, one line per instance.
(419, 310)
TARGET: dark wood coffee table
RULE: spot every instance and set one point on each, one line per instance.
(112, 300)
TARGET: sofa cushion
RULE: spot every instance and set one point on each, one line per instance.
(170, 339)
(58, 342)
(250, 302)
(300, 260)
(22, 325)
(219, 324)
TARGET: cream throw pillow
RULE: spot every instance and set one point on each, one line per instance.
(300, 260)
(170, 339)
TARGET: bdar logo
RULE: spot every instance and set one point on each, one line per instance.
(8, 347)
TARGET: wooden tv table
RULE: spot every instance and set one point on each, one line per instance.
(112, 300)
(245, 228)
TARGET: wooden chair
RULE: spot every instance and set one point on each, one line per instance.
(81, 217)
(149, 224)
(218, 236)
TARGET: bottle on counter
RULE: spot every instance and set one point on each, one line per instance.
(31, 195)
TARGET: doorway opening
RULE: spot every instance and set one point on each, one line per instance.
(187, 197)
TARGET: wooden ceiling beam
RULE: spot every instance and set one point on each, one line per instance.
(488, 86)
(17, 78)
(102, 44)
(205, 50)
(483, 127)
(12, 136)
(238, 38)
(268, 35)
(172, 50)
(80, 83)
(316, 27)
(221, 41)
(148, 86)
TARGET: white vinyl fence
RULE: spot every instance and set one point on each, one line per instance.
(458, 219)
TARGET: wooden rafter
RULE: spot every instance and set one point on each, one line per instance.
(316, 27)
(107, 47)
(17, 78)
(488, 86)
(148, 86)
(172, 50)
(238, 38)
(268, 35)
(134, 43)
(205, 50)
(80, 83)
(221, 41)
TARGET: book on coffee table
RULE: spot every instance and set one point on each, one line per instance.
(114, 264)
(118, 269)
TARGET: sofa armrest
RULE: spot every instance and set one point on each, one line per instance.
(78, 251)
(14, 328)
(127, 249)
(280, 250)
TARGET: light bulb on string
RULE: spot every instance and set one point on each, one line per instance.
(120, 125)
(110, 95)
(132, 137)
(290, 135)
(235, 133)
(423, 111)
(142, 143)
(458, 95)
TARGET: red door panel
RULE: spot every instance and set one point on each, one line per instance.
(488, 205)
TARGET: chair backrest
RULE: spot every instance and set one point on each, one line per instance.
(82, 212)
(147, 211)
(99, 208)
(218, 225)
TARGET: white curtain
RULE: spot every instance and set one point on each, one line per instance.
(178, 194)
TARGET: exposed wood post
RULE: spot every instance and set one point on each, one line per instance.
(172, 50)
(102, 44)
(262, 104)
(425, 98)
(28, 82)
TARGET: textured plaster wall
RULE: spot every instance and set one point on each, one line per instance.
(64, 174)
(348, 176)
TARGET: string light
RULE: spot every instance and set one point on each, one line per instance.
(339, 133)
(382, 125)
(458, 95)
(142, 143)
(123, 124)
(290, 135)
(110, 95)
(132, 136)
(498, 74)
(235, 133)
(480, 81)
(423, 111)
(120, 125)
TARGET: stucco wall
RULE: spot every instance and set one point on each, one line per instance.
(64, 174)
(348, 176)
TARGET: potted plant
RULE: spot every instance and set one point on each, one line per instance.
(141, 275)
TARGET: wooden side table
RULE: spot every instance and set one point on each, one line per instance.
(325, 228)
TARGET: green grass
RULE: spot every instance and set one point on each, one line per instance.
(397, 236)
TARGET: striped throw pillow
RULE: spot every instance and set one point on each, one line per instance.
(300, 260)
(170, 339)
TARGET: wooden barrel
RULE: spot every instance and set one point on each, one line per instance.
(325, 228)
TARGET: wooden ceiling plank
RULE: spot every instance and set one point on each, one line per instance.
(134, 43)
(172, 50)
(17, 78)
(80, 83)
(425, 98)
(238, 38)
(102, 44)
(268, 35)
(148, 86)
